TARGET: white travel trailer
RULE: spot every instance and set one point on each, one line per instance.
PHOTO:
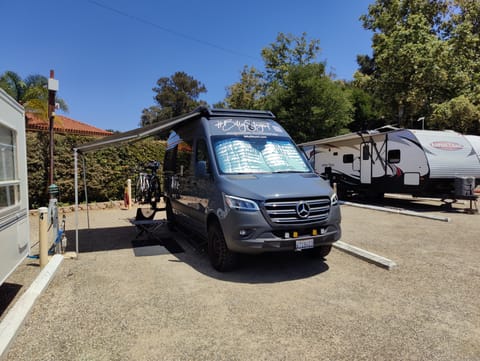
(428, 163)
(14, 227)
(475, 142)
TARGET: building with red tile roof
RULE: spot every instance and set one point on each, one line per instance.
(63, 125)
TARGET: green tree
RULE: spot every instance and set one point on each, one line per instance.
(458, 114)
(310, 105)
(248, 92)
(175, 95)
(31, 92)
(286, 51)
(425, 54)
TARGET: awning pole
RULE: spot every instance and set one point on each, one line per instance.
(85, 189)
(75, 162)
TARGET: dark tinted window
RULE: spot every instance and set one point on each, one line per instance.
(348, 158)
(366, 152)
(394, 156)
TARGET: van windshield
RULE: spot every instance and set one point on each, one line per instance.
(258, 155)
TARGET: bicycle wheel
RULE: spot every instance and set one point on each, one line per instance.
(154, 192)
(138, 190)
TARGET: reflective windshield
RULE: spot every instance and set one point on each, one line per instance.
(258, 155)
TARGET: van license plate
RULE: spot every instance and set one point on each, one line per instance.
(304, 244)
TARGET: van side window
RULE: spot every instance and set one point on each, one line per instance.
(348, 158)
(202, 165)
(184, 158)
(9, 184)
(178, 157)
(394, 156)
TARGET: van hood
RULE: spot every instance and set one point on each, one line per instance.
(270, 186)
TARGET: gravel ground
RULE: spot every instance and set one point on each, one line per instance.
(116, 302)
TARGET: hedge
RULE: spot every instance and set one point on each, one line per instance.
(106, 170)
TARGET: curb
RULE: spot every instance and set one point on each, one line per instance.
(365, 255)
(17, 314)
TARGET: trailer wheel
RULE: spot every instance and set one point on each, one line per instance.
(320, 252)
(221, 258)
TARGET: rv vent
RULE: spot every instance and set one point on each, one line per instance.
(298, 211)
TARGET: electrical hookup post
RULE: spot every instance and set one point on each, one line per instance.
(55, 237)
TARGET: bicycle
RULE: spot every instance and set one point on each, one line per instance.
(147, 190)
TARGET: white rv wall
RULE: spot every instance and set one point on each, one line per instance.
(14, 226)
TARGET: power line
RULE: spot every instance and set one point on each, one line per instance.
(176, 33)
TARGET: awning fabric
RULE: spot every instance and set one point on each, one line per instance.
(136, 134)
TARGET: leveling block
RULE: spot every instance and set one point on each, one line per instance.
(368, 256)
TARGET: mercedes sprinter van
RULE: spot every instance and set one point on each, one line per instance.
(237, 179)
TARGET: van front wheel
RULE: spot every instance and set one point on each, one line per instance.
(221, 258)
(320, 252)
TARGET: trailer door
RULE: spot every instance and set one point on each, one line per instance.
(366, 163)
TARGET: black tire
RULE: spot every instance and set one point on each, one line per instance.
(154, 193)
(170, 217)
(320, 252)
(138, 193)
(221, 258)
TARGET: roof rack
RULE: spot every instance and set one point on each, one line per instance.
(217, 112)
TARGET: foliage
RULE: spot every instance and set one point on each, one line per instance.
(248, 92)
(458, 114)
(31, 92)
(106, 170)
(310, 105)
(425, 54)
(175, 95)
(286, 51)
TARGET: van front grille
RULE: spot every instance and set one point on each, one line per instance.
(298, 211)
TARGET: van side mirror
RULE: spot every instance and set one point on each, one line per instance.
(201, 169)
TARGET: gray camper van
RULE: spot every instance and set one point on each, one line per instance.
(237, 178)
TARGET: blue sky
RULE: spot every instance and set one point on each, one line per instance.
(108, 54)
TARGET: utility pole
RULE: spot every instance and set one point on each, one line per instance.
(52, 89)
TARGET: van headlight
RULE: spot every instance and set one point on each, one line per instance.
(334, 199)
(240, 204)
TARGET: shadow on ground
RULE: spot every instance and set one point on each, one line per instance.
(421, 205)
(8, 292)
(187, 248)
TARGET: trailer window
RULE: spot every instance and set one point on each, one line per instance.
(9, 184)
(394, 156)
(348, 158)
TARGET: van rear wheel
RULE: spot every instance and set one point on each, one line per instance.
(221, 258)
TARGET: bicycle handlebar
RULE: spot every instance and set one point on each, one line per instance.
(154, 165)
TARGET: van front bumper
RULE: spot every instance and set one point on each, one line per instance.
(249, 232)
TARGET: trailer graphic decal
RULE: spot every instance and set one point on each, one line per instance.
(448, 146)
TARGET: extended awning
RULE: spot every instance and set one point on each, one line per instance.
(124, 138)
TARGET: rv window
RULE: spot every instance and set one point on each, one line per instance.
(394, 156)
(348, 158)
(9, 185)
